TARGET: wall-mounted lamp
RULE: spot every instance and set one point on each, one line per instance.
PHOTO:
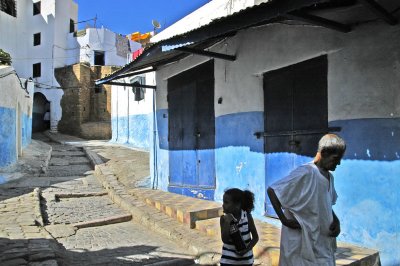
(219, 100)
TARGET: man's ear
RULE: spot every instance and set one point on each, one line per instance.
(324, 153)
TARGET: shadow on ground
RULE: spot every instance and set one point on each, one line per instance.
(50, 252)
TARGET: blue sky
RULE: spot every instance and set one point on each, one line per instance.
(127, 16)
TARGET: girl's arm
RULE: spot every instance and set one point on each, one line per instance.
(254, 235)
(225, 225)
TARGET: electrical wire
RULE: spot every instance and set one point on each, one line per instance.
(19, 79)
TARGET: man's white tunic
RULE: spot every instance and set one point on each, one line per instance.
(308, 196)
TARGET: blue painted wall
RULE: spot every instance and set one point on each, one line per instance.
(160, 178)
(135, 130)
(26, 130)
(368, 184)
(239, 156)
(367, 181)
(8, 154)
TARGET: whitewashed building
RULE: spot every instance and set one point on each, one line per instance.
(36, 36)
(242, 100)
(42, 35)
(100, 46)
(15, 115)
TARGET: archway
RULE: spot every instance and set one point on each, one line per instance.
(40, 106)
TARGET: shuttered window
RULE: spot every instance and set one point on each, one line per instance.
(296, 107)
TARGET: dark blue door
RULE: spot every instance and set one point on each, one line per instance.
(296, 116)
(191, 128)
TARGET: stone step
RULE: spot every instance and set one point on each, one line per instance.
(66, 170)
(184, 209)
(62, 154)
(77, 160)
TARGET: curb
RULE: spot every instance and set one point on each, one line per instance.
(38, 210)
(103, 221)
(142, 213)
(163, 224)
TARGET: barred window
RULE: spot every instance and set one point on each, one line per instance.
(9, 7)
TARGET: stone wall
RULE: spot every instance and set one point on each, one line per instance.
(82, 104)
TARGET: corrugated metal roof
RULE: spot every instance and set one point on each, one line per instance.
(216, 30)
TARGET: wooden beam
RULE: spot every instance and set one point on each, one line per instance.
(134, 73)
(319, 21)
(206, 53)
(130, 85)
(380, 11)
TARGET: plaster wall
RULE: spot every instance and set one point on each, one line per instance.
(132, 121)
(17, 39)
(363, 99)
(101, 39)
(15, 116)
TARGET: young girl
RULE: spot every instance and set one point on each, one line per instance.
(237, 206)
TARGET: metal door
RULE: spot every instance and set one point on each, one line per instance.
(191, 128)
(296, 116)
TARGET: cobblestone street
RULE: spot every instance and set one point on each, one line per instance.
(64, 217)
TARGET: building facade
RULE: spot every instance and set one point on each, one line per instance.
(42, 36)
(36, 37)
(248, 108)
(16, 105)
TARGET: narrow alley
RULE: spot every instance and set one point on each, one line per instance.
(120, 133)
(76, 223)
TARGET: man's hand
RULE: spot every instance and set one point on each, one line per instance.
(292, 223)
(334, 228)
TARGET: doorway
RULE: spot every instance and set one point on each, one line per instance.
(40, 106)
(191, 128)
(296, 117)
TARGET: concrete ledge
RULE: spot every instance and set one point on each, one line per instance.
(184, 209)
(201, 246)
(79, 195)
(93, 157)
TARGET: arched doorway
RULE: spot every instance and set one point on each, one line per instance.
(40, 106)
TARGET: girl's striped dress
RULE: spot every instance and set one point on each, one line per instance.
(229, 256)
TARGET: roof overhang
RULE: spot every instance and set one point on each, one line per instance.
(195, 41)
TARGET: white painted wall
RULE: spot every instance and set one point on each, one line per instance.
(17, 39)
(357, 89)
(19, 99)
(125, 110)
(363, 99)
(97, 39)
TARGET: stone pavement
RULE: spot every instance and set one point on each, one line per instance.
(23, 240)
(70, 220)
(124, 176)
